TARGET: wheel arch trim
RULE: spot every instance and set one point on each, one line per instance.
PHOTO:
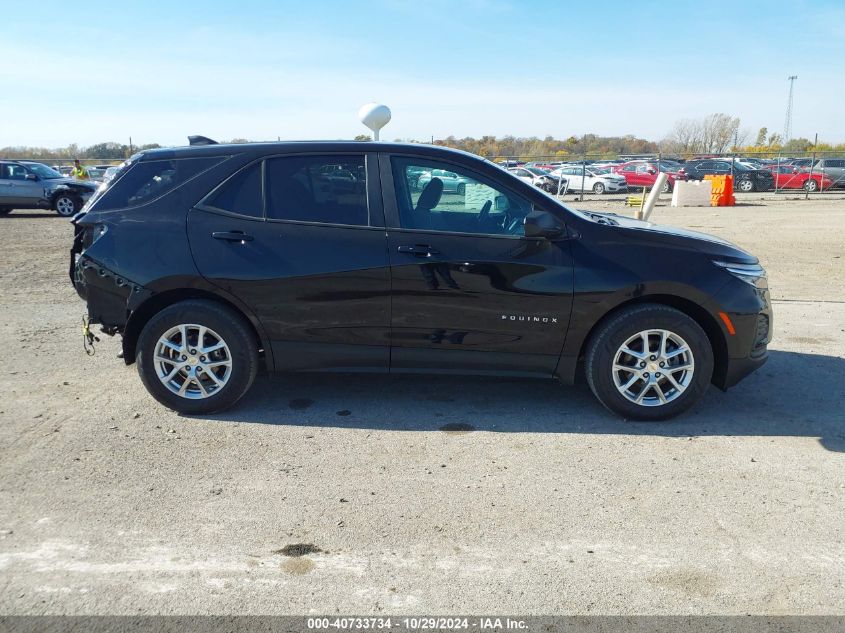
(568, 365)
(151, 306)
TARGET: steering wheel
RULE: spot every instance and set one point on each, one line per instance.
(485, 212)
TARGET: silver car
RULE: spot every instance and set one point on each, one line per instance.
(451, 181)
(29, 185)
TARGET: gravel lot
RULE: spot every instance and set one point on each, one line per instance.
(544, 503)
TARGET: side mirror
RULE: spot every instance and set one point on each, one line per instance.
(652, 172)
(542, 224)
(31, 177)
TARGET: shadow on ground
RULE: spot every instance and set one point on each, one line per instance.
(20, 215)
(794, 394)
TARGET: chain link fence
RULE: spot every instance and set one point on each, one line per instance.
(791, 171)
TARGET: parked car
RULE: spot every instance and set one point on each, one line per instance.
(833, 168)
(596, 179)
(272, 271)
(789, 177)
(452, 182)
(95, 174)
(540, 178)
(644, 174)
(745, 178)
(798, 162)
(111, 172)
(30, 185)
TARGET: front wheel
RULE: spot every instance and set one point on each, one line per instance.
(5, 210)
(598, 188)
(811, 185)
(746, 186)
(462, 188)
(67, 205)
(197, 356)
(649, 362)
(667, 187)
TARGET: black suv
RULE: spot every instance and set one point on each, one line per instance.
(214, 261)
(745, 178)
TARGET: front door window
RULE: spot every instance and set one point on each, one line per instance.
(437, 197)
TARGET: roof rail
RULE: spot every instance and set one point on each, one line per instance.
(200, 140)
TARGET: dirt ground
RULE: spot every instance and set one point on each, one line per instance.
(426, 495)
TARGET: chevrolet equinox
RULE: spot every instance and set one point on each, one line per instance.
(213, 260)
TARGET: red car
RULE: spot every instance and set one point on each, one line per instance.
(643, 173)
(789, 177)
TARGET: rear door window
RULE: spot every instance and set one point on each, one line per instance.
(325, 189)
(240, 194)
(149, 180)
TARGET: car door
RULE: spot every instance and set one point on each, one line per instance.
(23, 186)
(469, 291)
(307, 253)
(7, 192)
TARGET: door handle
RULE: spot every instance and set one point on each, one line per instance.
(419, 250)
(232, 236)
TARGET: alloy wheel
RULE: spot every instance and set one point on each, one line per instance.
(653, 368)
(65, 206)
(192, 361)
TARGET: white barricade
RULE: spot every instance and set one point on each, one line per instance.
(692, 193)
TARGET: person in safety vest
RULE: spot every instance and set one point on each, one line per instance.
(79, 172)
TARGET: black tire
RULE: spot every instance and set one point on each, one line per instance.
(67, 205)
(616, 330)
(667, 187)
(461, 189)
(598, 188)
(811, 185)
(5, 210)
(231, 328)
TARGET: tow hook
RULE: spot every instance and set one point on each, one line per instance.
(88, 337)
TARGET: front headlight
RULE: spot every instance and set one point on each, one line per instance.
(753, 274)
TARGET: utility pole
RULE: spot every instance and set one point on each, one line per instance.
(787, 126)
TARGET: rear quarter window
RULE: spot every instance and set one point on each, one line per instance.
(148, 180)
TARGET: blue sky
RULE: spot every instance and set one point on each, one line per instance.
(159, 71)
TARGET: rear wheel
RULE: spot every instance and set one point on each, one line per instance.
(667, 187)
(649, 362)
(811, 185)
(197, 356)
(67, 205)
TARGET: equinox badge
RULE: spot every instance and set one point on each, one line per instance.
(533, 319)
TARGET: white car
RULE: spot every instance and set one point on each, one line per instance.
(596, 179)
(547, 181)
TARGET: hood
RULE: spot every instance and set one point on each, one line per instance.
(703, 242)
(52, 183)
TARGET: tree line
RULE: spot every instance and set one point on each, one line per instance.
(714, 134)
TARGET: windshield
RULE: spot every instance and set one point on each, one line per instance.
(537, 171)
(43, 172)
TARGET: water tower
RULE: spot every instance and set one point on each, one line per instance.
(375, 116)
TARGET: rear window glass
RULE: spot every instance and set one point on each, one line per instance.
(329, 189)
(241, 194)
(148, 180)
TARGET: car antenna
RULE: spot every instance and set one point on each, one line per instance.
(200, 140)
